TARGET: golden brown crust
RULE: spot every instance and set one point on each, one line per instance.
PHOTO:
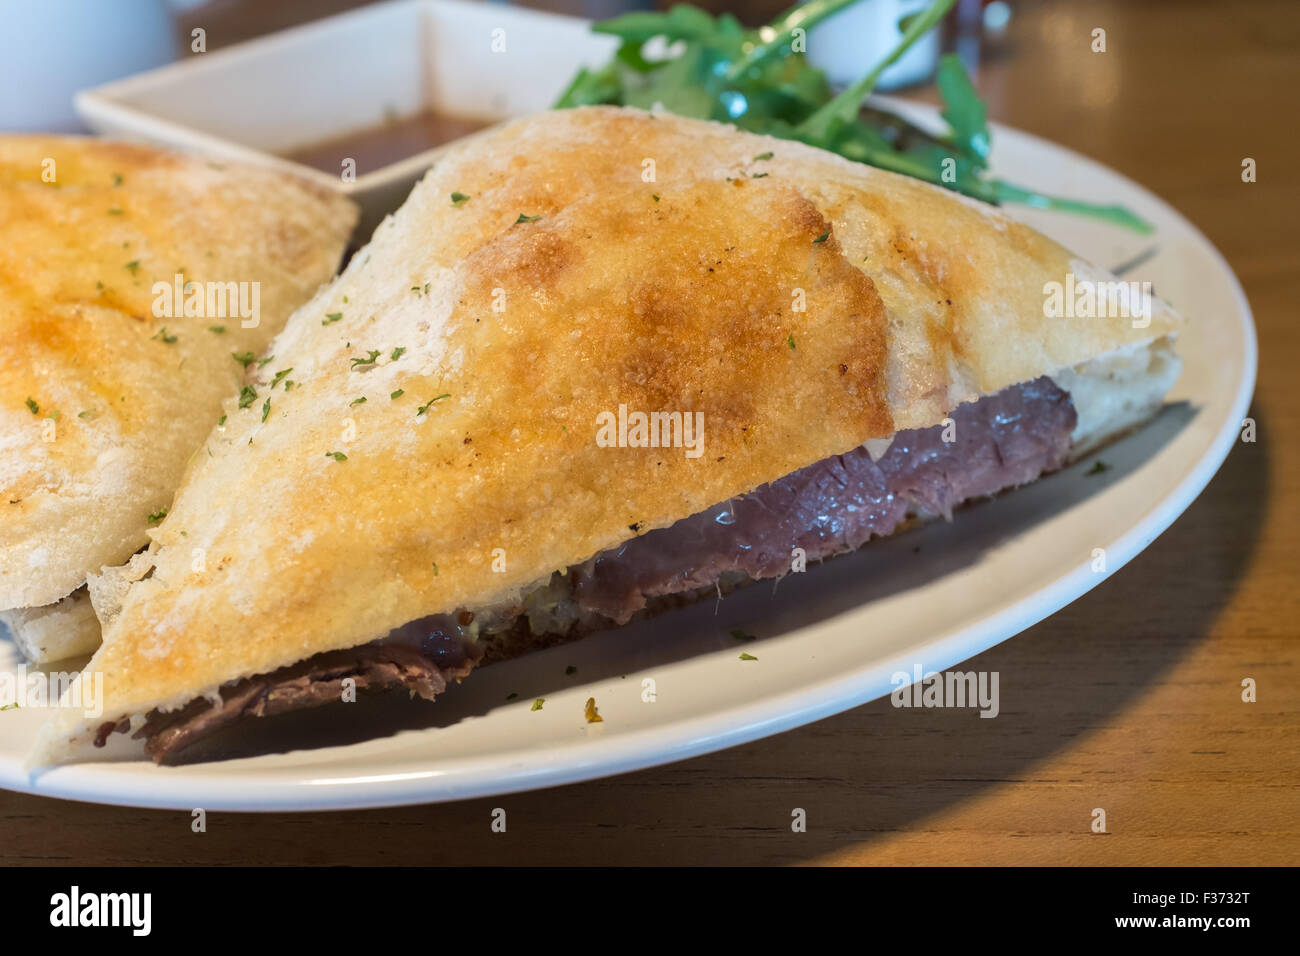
(678, 294)
(79, 256)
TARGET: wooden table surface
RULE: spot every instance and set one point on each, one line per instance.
(1129, 699)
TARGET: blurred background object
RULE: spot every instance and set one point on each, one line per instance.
(846, 45)
(49, 49)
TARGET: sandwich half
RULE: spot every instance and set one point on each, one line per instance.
(600, 362)
(132, 281)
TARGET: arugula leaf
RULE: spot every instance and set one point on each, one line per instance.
(963, 110)
(681, 22)
(1120, 215)
(777, 40)
(844, 108)
(681, 86)
(755, 79)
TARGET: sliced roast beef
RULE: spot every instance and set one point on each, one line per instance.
(836, 505)
(828, 508)
(421, 656)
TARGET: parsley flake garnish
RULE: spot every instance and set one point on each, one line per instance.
(790, 342)
(331, 317)
(243, 358)
(397, 394)
(266, 409)
(218, 329)
(397, 353)
(32, 406)
(336, 455)
(167, 339)
(247, 395)
(537, 704)
(157, 516)
(357, 401)
(425, 407)
(458, 197)
(748, 657)
(371, 357)
(280, 375)
(822, 238)
(762, 156)
(523, 218)
(133, 266)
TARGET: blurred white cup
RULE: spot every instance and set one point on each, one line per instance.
(49, 49)
(850, 43)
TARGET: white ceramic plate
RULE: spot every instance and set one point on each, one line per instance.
(828, 640)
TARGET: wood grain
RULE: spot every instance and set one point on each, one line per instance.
(1129, 699)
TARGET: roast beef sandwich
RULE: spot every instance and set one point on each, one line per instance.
(601, 361)
(135, 286)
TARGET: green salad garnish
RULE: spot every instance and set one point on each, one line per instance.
(760, 81)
